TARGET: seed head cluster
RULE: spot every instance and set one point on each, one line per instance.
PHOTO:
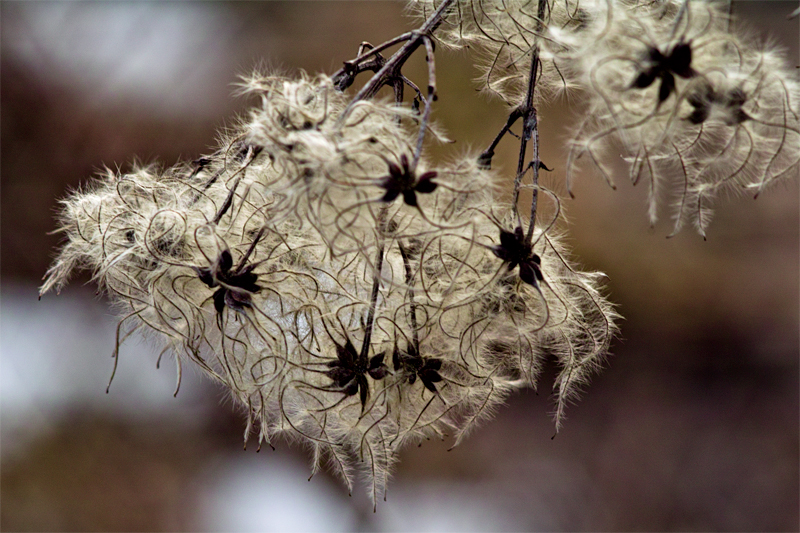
(347, 293)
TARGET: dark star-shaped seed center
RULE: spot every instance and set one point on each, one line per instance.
(349, 371)
(235, 285)
(516, 251)
(403, 180)
(730, 102)
(665, 66)
(426, 368)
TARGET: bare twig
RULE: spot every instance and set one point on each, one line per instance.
(392, 67)
(410, 285)
(376, 282)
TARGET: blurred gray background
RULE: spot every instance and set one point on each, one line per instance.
(693, 425)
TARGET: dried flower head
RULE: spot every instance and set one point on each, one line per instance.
(282, 266)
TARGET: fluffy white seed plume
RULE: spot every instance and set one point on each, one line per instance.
(697, 109)
(346, 294)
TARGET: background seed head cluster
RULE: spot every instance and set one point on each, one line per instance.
(699, 111)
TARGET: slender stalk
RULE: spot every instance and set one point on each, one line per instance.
(529, 123)
(485, 159)
(409, 284)
(428, 100)
(376, 282)
(389, 73)
(535, 163)
(530, 130)
(679, 18)
(373, 50)
(252, 153)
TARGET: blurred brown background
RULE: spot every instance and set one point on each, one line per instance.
(693, 425)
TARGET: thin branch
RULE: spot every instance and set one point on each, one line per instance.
(376, 282)
(409, 284)
(485, 159)
(428, 100)
(392, 67)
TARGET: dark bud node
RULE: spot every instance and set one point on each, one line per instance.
(349, 371)
(485, 160)
(514, 250)
(403, 180)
